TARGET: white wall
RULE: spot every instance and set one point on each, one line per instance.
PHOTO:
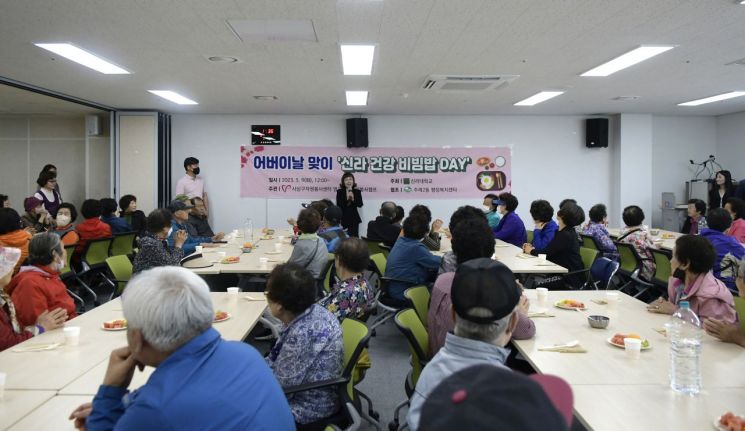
(550, 159)
(731, 143)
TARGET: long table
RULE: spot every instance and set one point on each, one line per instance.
(514, 258)
(664, 239)
(34, 378)
(609, 387)
(249, 262)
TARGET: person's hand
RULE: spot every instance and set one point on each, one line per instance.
(122, 365)
(30, 230)
(729, 333)
(436, 225)
(662, 306)
(180, 238)
(218, 237)
(52, 319)
(528, 247)
(80, 414)
(524, 305)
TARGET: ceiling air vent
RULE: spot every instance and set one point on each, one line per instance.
(467, 82)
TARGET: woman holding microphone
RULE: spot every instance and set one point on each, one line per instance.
(349, 198)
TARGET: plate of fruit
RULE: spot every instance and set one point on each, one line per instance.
(570, 304)
(114, 325)
(617, 340)
(730, 422)
(230, 259)
(221, 316)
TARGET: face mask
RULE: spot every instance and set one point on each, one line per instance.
(487, 209)
(62, 220)
(195, 171)
(61, 265)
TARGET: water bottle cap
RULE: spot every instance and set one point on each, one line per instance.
(684, 304)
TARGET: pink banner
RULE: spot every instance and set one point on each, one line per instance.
(385, 173)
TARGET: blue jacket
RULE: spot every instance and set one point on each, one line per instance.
(511, 229)
(409, 260)
(118, 224)
(191, 241)
(332, 235)
(541, 237)
(208, 383)
(727, 248)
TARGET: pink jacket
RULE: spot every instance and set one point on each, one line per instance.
(737, 230)
(709, 297)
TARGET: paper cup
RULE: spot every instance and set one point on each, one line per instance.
(221, 254)
(264, 262)
(234, 290)
(281, 238)
(198, 248)
(72, 335)
(278, 247)
(612, 297)
(633, 347)
(541, 257)
(542, 296)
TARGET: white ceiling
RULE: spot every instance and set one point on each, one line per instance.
(548, 42)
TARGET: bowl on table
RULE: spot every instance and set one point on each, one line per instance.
(598, 322)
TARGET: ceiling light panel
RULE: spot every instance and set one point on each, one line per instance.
(173, 97)
(356, 98)
(712, 99)
(627, 60)
(538, 98)
(83, 57)
(357, 59)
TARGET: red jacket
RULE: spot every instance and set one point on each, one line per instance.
(92, 228)
(8, 337)
(35, 289)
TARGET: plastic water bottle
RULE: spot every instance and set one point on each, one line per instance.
(684, 330)
(248, 231)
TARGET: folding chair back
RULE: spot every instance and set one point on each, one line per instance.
(96, 252)
(380, 262)
(588, 241)
(67, 270)
(740, 309)
(355, 337)
(373, 247)
(627, 258)
(123, 244)
(410, 325)
(663, 269)
(529, 235)
(588, 256)
(419, 298)
(602, 272)
(121, 267)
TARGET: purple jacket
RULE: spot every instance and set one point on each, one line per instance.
(729, 250)
(511, 229)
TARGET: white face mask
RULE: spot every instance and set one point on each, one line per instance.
(61, 265)
(170, 231)
(63, 220)
(487, 209)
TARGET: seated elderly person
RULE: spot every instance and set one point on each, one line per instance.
(331, 230)
(693, 281)
(410, 262)
(108, 216)
(129, 212)
(545, 227)
(730, 332)
(350, 296)
(432, 239)
(729, 251)
(153, 247)
(736, 208)
(92, 227)
(12, 233)
(36, 218)
(695, 222)
(198, 219)
(309, 348)
(11, 332)
(449, 259)
(471, 240)
(485, 318)
(636, 234)
(180, 212)
(66, 215)
(597, 229)
(310, 250)
(382, 228)
(37, 287)
(200, 380)
(510, 228)
(490, 210)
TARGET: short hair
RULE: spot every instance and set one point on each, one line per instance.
(422, 209)
(10, 221)
(572, 215)
(48, 167)
(415, 226)
(3, 199)
(345, 176)
(493, 198)
(463, 213)
(91, 208)
(388, 212)
(699, 204)
(190, 161)
(632, 215)
(108, 206)
(319, 206)
(696, 251)
(353, 254)
(541, 210)
(125, 200)
(567, 201)
(196, 199)
(41, 248)
(472, 239)
(737, 205)
(44, 178)
(291, 286)
(598, 212)
(71, 207)
(510, 201)
(308, 220)
(169, 304)
(400, 214)
(486, 332)
(158, 220)
(718, 219)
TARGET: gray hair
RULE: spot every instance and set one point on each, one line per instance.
(41, 246)
(170, 305)
(486, 332)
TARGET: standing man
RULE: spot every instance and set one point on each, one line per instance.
(191, 184)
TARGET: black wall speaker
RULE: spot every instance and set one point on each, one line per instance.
(596, 132)
(357, 132)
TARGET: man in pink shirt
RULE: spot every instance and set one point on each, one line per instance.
(191, 184)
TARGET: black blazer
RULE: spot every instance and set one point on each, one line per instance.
(383, 230)
(714, 201)
(349, 214)
(564, 250)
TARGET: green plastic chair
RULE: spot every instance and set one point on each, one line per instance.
(373, 247)
(121, 268)
(588, 241)
(419, 298)
(410, 325)
(123, 244)
(630, 266)
(68, 274)
(329, 270)
(663, 268)
(380, 262)
(588, 256)
(530, 235)
(740, 309)
(96, 252)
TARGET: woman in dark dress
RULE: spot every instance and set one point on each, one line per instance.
(349, 198)
(721, 190)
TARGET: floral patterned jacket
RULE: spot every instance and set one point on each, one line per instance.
(600, 233)
(349, 298)
(639, 238)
